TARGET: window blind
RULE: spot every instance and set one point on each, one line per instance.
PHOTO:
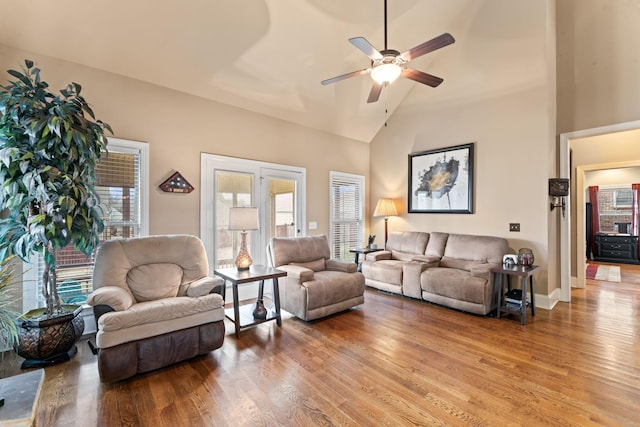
(347, 207)
(118, 184)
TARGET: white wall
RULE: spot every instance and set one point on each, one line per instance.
(514, 133)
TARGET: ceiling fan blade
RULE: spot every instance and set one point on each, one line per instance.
(421, 77)
(374, 95)
(428, 46)
(345, 76)
(366, 47)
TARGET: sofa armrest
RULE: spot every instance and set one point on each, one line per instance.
(411, 272)
(204, 286)
(337, 265)
(379, 255)
(482, 270)
(428, 260)
(113, 296)
(297, 272)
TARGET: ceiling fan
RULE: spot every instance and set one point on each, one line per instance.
(389, 64)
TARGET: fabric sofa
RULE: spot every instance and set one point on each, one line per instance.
(316, 286)
(453, 270)
(154, 304)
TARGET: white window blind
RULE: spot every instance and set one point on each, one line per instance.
(347, 210)
(119, 183)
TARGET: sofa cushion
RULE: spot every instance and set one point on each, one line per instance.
(284, 250)
(436, 244)
(482, 249)
(330, 287)
(405, 244)
(317, 265)
(150, 282)
(388, 271)
(158, 311)
(453, 283)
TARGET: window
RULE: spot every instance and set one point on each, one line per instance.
(122, 184)
(615, 209)
(623, 198)
(347, 207)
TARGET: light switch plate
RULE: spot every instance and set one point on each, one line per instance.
(313, 225)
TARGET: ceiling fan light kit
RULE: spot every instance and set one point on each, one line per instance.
(389, 64)
(387, 69)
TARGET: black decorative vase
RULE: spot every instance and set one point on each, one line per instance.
(260, 312)
(44, 342)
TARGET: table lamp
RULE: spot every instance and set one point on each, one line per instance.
(243, 219)
(385, 208)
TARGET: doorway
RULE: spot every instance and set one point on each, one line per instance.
(566, 254)
(278, 191)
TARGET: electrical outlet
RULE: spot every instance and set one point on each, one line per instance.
(514, 226)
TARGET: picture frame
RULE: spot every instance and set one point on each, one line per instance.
(441, 180)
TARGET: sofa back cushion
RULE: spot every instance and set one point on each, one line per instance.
(404, 245)
(288, 250)
(437, 243)
(142, 262)
(150, 282)
(463, 251)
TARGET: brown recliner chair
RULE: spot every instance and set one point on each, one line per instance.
(316, 286)
(154, 304)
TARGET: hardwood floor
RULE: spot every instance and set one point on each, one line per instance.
(393, 361)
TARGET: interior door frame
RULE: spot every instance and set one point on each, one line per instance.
(209, 164)
(565, 222)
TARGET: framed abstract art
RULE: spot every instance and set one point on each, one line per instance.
(441, 180)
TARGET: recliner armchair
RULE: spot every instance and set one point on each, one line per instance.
(154, 304)
(316, 286)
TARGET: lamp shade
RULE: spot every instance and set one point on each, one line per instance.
(385, 207)
(245, 218)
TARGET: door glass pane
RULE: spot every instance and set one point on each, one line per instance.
(232, 190)
(282, 207)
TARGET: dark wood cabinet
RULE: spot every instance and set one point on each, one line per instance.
(616, 248)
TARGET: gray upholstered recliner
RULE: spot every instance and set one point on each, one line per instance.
(316, 286)
(154, 304)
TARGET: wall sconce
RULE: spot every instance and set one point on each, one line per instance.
(558, 190)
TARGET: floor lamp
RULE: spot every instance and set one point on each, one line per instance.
(385, 208)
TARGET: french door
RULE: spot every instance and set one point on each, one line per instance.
(276, 190)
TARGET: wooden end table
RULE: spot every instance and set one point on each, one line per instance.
(499, 273)
(363, 251)
(242, 315)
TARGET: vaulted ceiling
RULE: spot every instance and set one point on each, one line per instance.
(269, 56)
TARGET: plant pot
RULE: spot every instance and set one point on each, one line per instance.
(45, 342)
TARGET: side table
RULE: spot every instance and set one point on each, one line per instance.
(363, 251)
(499, 273)
(242, 315)
(21, 393)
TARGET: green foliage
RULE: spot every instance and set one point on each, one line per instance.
(49, 148)
(8, 328)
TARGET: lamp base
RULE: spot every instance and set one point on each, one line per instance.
(243, 260)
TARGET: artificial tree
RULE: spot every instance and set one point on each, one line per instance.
(49, 148)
